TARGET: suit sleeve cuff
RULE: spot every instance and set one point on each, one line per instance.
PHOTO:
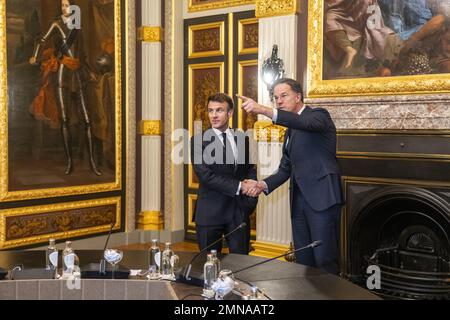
(266, 188)
(275, 115)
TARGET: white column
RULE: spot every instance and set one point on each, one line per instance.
(151, 128)
(273, 224)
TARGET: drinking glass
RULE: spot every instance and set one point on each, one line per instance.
(113, 257)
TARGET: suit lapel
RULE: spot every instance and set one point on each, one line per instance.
(287, 139)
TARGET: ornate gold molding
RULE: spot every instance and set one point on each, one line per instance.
(150, 34)
(210, 5)
(5, 194)
(266, 131)
(61, 217)
(241, 36)
(151, 128)
(268, 250)
(376, 86)
(150, 220)
(206, 41)
(273, 8)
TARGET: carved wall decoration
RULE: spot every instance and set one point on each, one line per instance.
(207, 40)
(248, 36)
(151, 34)
(201, 5)
(272, 8)
(23, 226)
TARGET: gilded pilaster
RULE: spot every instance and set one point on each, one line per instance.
(151, 34)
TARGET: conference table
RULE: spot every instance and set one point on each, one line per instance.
(278, 280)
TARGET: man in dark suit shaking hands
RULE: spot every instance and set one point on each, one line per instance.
(221, 162)
(309, 160)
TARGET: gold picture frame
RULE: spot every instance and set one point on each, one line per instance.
(242, 65)
(317, 87)
(208, 40)
(241, 38)
(28, 221)
(112, 181)
(202, 5)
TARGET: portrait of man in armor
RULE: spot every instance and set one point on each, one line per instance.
(61, 87)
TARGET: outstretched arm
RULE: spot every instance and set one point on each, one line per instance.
(251, 106)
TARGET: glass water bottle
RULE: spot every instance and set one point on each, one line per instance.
(209, 276)
(154, 261)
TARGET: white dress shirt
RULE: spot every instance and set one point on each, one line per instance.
(230, 137)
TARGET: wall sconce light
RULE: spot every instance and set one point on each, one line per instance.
(272, 70)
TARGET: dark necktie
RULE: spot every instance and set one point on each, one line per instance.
(227, 150)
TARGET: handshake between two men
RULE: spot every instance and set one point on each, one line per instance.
(253, 188)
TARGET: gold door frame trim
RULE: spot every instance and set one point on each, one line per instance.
(5, 194)
(191, 199)
(319, 88)
(36, 210)
(192, 184)
(191, 68)
(217, 5)
(230, 57)
(241, 65)
(241, 25)
(206, 54)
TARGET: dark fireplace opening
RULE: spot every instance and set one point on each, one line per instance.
(405, 232)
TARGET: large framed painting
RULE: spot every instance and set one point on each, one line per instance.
(60, 98)
(201, 5)
(378, 47)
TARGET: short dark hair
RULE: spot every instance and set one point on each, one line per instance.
(295, 85)
(222, 97)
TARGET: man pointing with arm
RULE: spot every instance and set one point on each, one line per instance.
(309, 159)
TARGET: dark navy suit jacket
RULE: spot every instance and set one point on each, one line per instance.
(309, 158)
(217, 202)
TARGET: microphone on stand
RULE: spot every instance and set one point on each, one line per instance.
(102, 265)
(229, 286)
(311, 245)
(198, 280)
(98, 270)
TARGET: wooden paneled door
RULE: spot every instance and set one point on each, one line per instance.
(220, 55)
